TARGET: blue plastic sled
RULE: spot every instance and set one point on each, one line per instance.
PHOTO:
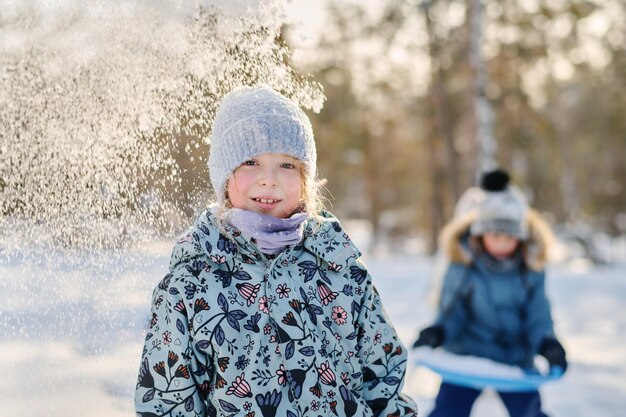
(480, 373)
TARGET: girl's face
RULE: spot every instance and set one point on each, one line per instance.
(500, 245)
(269, 183)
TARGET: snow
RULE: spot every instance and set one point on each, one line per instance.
(89, 89)
(71, 338)
(72, 323)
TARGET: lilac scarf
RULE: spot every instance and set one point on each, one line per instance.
(272, 234)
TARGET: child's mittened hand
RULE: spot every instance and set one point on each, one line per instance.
(431, 336)
(553, 351)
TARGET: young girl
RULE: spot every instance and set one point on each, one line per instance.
(493, 302)
(267, 310)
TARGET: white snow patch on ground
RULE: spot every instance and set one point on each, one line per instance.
(70, 340)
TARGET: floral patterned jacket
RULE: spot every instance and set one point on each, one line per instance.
(234, 333)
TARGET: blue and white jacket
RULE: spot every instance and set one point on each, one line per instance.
(235, 333)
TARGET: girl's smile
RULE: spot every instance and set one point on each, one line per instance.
(266, 204)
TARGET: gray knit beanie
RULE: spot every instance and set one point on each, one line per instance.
(254, 120)
(503, 209)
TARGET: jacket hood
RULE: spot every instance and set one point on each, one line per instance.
(453, 240)
(322, 236)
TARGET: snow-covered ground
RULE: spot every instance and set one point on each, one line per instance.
(70, 339)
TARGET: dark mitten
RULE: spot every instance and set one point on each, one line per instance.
(431, 336)
(552, 350)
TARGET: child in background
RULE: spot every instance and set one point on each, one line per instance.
(267, 310)
(493, 302)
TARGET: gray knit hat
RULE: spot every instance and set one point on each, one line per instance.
(254, 120)
(503, 208)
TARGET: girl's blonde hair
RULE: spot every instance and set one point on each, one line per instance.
(312, 199)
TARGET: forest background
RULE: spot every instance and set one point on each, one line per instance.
(396, 135)
(409, 101)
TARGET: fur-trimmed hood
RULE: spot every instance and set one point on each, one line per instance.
(453, 240)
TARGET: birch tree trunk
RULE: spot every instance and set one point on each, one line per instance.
(483, 117)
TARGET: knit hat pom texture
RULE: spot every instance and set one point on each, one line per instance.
(496, 180)
(503, 209)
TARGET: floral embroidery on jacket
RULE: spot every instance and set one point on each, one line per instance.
(233, 333)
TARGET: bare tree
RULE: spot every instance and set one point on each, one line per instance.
(439, 101)
(483, 117)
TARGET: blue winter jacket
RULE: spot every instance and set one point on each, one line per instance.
(234, 333)
(502, 315)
